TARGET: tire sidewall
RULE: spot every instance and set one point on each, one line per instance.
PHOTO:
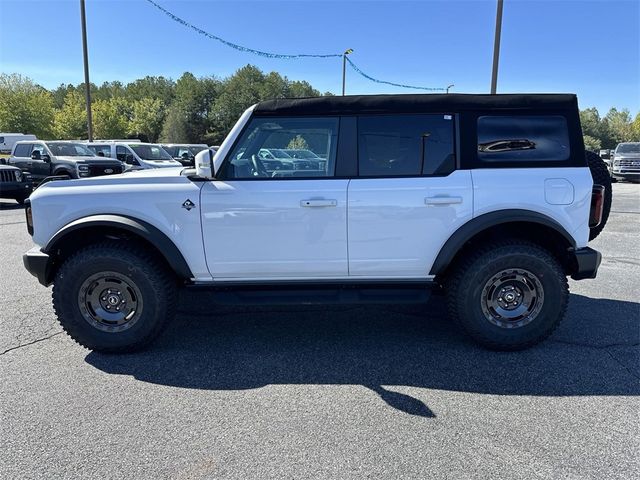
(474, 320)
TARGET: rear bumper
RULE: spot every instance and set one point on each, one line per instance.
(38, 264)
(586, 262)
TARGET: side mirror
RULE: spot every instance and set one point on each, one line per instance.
(204, 164)
(35, 155)
(46, 158)
(128, 158)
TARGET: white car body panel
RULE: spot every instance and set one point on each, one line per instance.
(154, 196)
(266, 229)
(398, 225)
(529, 189)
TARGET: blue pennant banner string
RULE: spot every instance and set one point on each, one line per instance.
(236, 46)
(285, 56)
(430, 89)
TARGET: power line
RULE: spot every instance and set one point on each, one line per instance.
(284, 56)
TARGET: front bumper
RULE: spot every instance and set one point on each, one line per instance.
(585, 263)
(15, 190)
(39, 265)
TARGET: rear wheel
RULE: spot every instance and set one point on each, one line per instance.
(508, 297)
(113, 297)
(601, 176)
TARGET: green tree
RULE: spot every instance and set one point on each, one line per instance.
(635, 127)
(109, 119)
(592, 143)
(298, 142)
(70, 122)
(151, 87)
(25, 107)
(147, 117)
(174, 129)
(620, 128)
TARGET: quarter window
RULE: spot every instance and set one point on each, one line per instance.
(285, 148)
(405, 145)
(22, 150)
(522, 138)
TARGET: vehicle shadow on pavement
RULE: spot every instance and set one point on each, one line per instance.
(10, 205)
(382, 347)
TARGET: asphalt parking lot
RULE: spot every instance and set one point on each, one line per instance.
(326, 392)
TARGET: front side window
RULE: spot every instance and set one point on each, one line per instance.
(150, 152)
(39, 147)
(23, 150)
(100, 150)
(403, 145)
(522, 138)
(264, 149)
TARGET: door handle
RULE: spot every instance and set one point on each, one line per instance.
(318, 203)
(444, 200)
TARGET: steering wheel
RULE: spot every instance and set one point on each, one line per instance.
(258, 166)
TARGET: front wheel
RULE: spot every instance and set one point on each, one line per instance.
(508, 297)
(113, 297)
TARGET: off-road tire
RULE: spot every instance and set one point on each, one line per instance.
(155, 284)
(467, 281)
(601, 176)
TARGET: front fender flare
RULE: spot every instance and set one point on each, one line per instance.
(145, 230)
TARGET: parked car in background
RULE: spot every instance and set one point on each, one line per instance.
(136, 155)
(625, 161)
(8, 140)
(184, 153)
(14, 183)
(61, 158)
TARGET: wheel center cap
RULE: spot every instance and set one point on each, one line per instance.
(113, 300)
(509, 297)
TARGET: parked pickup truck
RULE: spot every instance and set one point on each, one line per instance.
(61, 158)
(408, 199)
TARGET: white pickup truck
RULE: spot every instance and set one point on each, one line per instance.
(490, 197)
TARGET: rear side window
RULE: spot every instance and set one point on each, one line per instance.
(405, 145)
(22, 150)
(100, 150)
(523, 138)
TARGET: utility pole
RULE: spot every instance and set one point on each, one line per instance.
(87, 85)
(449, 86)
(344, 67)
(496, 48)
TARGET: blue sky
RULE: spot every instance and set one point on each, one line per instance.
(591, 48)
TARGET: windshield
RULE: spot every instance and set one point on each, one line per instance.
(628, 148)
(150, 152)
(69, 149)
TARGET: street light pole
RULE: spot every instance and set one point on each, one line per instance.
(344, 68)
(496, 48)
(449, 86)
(87, 85)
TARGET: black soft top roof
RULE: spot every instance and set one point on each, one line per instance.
(415, 103)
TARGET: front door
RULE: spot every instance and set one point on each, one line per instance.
(277, 218)
(408, 198)
(39, 168)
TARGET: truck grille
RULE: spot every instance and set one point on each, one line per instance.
(99, 170)
(629, 163)
(8, 176)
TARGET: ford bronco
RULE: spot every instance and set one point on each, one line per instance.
(490, 199)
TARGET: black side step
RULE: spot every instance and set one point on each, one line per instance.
(318, 295)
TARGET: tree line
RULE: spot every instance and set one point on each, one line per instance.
(187, 110)
(195, 110)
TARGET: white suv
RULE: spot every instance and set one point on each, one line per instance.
(488, 196)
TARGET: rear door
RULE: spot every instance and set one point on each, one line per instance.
(408, 197)
(261, 219)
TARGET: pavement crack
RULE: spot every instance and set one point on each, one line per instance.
(631, 372)
(30, 343)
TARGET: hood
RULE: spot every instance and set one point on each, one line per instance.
(163, 163)
(93, 160)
